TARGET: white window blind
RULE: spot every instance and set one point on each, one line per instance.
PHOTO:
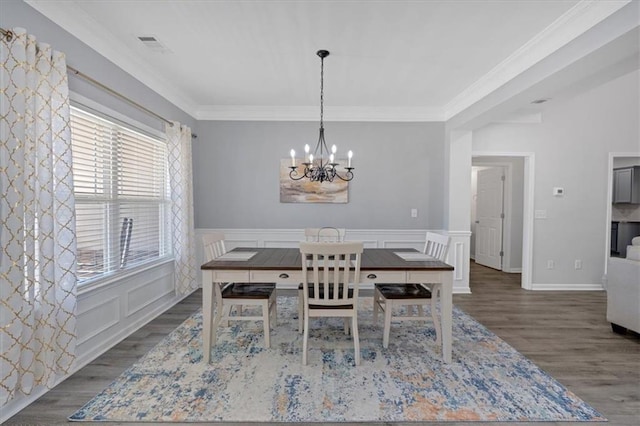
(122, 196)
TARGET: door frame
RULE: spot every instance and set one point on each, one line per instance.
(527, 209)
(607, 239)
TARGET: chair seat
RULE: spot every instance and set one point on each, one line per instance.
(403, 291)
(248, 290)
(330, 307)
(340, 289)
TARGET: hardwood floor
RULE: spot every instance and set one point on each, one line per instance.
(565, 333)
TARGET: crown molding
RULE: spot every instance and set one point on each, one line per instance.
(98, 37)
(575, 22)
(307, 113)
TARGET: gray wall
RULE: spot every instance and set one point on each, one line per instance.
(398, 166)
(571, 148)
(14, 13)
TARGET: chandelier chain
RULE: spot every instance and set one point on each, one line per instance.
(321, 91)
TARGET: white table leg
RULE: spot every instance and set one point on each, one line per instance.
(446, 314)
(207, 314)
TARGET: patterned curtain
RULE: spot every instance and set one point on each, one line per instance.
(37, 224)
(180, 176)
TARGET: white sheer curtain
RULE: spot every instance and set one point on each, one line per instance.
(37, 222)
(180, 176)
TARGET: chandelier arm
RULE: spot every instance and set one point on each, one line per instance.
(294, 172)
(348, 175)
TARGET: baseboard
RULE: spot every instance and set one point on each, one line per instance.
(512, 270)
(567, 287)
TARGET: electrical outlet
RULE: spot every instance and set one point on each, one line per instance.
(577, 264)
(550, 264)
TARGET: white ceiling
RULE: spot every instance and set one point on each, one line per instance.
(390, 60)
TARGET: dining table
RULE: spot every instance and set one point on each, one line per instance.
(283, 266)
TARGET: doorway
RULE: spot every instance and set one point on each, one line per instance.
(487, 249)
(511, 207)
(619, 214)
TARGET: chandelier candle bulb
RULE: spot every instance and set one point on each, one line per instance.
(293, 158)
(350, 154)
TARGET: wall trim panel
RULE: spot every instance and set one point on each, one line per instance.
(151, 287)
(457, 260)
(109, 342)
(86, 312)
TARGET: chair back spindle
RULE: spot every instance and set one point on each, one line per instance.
(213, 244)
(333, 268)
(436, 245)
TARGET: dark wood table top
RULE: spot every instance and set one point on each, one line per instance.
(288, 259)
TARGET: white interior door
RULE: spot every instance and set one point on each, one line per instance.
(489, 217)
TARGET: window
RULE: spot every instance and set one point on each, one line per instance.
(123, 204)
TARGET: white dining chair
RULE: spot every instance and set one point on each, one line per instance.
(327, 234)
(330, 274)
(389, 297)
(228, 295)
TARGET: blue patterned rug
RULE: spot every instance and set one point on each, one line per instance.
(487, 381)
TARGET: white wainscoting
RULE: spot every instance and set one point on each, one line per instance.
(108, 313)
(373, 238)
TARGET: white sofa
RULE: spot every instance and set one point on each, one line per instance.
(623, 290)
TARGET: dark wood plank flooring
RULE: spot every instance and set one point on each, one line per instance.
(565, 333)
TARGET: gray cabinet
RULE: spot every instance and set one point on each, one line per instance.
(626, 185)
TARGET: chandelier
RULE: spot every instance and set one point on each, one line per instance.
(320, 166)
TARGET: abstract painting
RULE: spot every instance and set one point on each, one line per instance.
(304, 191)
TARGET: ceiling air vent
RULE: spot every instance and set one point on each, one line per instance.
(153, 43)
(539, 101)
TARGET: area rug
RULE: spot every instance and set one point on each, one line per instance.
(488, 380)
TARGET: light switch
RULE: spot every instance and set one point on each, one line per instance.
(414, 212)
